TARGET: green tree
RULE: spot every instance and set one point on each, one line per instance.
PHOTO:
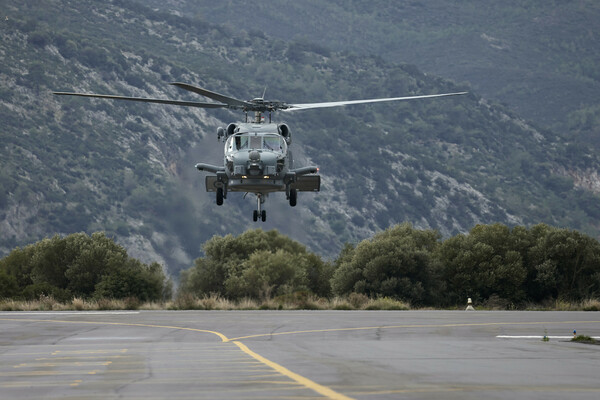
(79, 265)
(566, 265)
(398, 263)
(481, 264)
(133, 279)
(8, 285)
(256, 264)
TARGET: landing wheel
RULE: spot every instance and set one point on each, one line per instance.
(293, 197)
(219, 196)
(255, 215)
(263, 215)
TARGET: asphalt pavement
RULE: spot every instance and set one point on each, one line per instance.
(298, 355)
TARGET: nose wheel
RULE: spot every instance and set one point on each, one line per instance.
(259, 212)
(262, 215)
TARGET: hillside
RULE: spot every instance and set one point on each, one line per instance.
(70, 165)
(541, 58)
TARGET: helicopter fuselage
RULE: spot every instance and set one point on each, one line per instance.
(257, 159)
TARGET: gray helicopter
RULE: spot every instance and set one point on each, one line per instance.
(256, 158)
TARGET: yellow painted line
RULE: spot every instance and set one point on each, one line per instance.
(322, 390)
(63, 364)
(103, 352)
(81, 358)
(223, 337)
(364, 328)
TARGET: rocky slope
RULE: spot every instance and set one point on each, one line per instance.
(72, 165)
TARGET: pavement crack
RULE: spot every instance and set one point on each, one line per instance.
(274, 331)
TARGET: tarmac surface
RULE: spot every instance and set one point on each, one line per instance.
(298, 355)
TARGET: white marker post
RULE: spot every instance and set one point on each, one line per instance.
(469, 305)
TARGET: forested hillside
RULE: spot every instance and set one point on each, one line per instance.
(71, 165)
(541, 58)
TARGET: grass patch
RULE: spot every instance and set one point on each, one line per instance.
(293, 301)
(590, 305)
(584, 339)
(385, 303)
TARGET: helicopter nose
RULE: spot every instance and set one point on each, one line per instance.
(254, 155)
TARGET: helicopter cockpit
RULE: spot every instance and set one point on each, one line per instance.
(274, 143)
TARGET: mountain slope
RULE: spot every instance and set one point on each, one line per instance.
(71, 164)
(541, 58)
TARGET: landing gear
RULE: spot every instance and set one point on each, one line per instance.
(259, 213)
(293, 197)
(221, 185)
(220, 196)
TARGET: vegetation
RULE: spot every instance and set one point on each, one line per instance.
(499, 268)
(584, 339)
(81, 165)
(521, 53)
(258, 265)
(399, 263)
(81, 267)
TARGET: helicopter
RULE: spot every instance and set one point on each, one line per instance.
(256, 158)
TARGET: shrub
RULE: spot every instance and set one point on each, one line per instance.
(385, 303)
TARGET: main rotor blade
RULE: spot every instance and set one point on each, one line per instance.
(146, 100)
(213, 95)
(293, 107)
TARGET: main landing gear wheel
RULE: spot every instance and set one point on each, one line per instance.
(293, 197)
(263, 215)
(219, 196)
(255, 215)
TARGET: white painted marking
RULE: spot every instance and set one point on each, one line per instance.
(538, 337)
(68, 312)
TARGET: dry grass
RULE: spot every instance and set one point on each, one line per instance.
(563, 305)
(385, 303)
(591, 305)
(295, 301)
(211, 302)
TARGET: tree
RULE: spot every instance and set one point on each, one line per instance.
(8, 285)
(565, 264)
(481, 264)
(79, 265)
(256, 264)
(133, 279)
(397, 263)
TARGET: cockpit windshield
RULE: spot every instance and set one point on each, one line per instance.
(254, 142)
(272, 143)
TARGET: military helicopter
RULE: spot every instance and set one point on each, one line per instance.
(256, 157)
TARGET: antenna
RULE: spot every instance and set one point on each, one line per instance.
(264, 92)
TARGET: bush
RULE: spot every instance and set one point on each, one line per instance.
(256, 265)
(397, 263)
(79, 265)
(44, 289)
(358, 300)
(385, 303)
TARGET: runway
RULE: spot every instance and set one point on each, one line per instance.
(297, 355)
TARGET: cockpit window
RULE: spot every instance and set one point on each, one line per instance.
(252, 142)
(241, 142)
(255, 142)
(272, 143)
